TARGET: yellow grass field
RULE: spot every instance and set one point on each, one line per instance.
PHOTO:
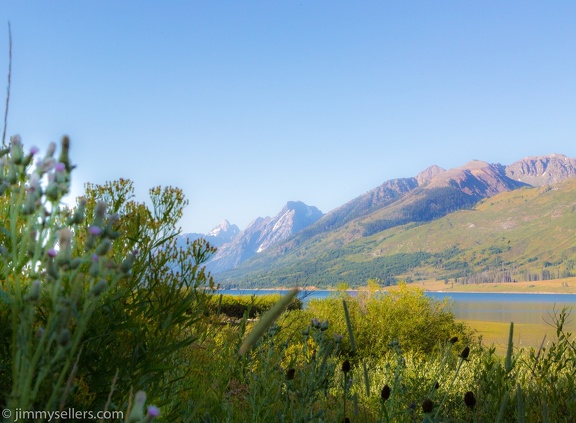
(559, 286)
(525, 335)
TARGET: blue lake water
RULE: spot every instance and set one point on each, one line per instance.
(498, 307)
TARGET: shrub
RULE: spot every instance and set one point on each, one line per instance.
(237, 305)
(419, 323)
(95, 302)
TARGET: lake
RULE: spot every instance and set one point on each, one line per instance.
(495, 307)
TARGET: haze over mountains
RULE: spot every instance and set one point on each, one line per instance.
(300, 241)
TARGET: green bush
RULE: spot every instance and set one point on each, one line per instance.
(237, 305)
(404, 314)
(95, 302)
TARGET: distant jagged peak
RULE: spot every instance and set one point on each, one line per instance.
(301, 208)
(263, 232)
(477, 178)
(542, 170)
(224, 230)
(427, 174)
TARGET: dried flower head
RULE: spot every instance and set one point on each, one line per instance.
(427, 406)
(290, 373)
(385, 393)
(470, 400)
(453, 340)
(465, 352)
(346, 366)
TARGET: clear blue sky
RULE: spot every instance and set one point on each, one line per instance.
(247, 104)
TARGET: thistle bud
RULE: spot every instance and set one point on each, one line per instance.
(75, 263)
(128, 262)
(99, 288)
(95, 266)
(427, 406)
(103, 247)
(78, 216)
(34, 293)
(470, 400)
(51, 150)
(29, 206)
(65, 242)
(53, 191)
(12, 176)
(64, 337)
(16, 150)
(109, 229)
(28, 159)
(385, 393)
(100, 214)
(64, 158)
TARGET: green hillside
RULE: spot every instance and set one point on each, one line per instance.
(525, 234)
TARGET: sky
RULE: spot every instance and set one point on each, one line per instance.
(248, 104)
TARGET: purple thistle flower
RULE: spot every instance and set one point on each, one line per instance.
(51, 253)
(95, 258)
(34, 150)
(153, 411)
(60, 167)
(95, 230)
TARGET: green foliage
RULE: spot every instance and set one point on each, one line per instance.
(522, 235)
(138, 335)
(403, 314)
(431, 204)
(237, 305)
(99, 302)
(95, 302)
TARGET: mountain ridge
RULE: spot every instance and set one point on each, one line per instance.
(431, 195)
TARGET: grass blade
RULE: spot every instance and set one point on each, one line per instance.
(508, 361)
(349, 326)
(266, 321)
(500, 417)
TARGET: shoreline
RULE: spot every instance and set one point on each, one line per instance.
(550, 286)
(385, 290)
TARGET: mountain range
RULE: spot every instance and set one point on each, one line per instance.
(354, 242)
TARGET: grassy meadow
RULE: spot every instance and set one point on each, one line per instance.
(102, 311)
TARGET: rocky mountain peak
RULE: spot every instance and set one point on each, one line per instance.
(542, 170)
(225, 231)
(428, 174)
(263, 232)
(476, 178)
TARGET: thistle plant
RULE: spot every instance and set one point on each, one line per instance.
(52, 274)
